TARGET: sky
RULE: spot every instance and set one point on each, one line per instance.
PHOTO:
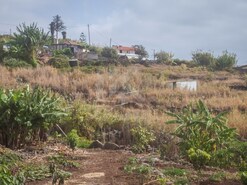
(178, 26)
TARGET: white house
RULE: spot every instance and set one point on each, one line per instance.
(126, 51)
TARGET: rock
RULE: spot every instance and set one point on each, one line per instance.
(96, 144)
(111, 146)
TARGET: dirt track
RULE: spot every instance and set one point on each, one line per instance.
(99, 167)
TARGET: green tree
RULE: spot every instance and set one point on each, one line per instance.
(164, 57)
(52, 30)
(109, 53)
(58, 25)
(82, 38)
(28, 41)
(226, 61)
(4, 40)
(206, 59)
(141, 51)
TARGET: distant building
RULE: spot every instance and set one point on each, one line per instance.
(126, 51)
(74, 46)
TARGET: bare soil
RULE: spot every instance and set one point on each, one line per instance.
(98, 167)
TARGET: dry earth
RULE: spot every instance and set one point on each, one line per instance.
(98, 167)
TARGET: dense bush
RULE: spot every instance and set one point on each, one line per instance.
(109, 53)
(13, 63)
(73, 139)
(142, 138)
(26, 115)
(60, 61)
(206, 59)
(226, 61)
(66, 51)
(164, 57)
(200, 130)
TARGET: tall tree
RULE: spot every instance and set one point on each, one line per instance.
(58, 25)
(141, 51)
(52, 30)
(83, 37)
(164, 57)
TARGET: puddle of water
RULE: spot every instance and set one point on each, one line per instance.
(186, 85)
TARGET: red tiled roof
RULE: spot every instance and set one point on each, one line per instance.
(124, 48)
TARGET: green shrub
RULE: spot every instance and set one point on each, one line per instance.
(26, 115)
(226, 61)
(244, 178)
(7, 178)
(200, 129)
(83, 143)
(60, 61)
(174, 172)
(66, 51)
(14, 63)
(204, 136)
(142, 138)
(62, 161)
(198, 158)
(73, 139)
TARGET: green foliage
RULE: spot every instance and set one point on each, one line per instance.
(109, 53)
(66, 52)
(198, 158)
(217, 177)
(226, 61)
(60, 61)
(29, 40)
(199, 129)
(90, 120)
(62, 161)
(95, 49)
(134, 166)
(141, 51)
(83, 143)
(204, 138)
(26, 114)
(243, 177)
(14, 63)
(175, 172)
(73, 139)
(60, 176)
(142, 137)
(206, 59)
(33, 172)
(164, 57)
(7, 178)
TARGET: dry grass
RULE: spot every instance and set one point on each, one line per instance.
(140, 91)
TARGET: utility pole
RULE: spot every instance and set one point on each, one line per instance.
(89, 39)
(110, 42)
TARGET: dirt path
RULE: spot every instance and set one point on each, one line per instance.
(99, 167)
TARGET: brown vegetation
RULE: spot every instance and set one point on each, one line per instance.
(139, 91)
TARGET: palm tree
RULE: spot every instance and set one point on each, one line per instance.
(52, 30)
(58, 25)
(30, 39)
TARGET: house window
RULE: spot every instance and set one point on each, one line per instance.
(120, 51)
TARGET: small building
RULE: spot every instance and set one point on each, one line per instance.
(74, 46)
(126, 51)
